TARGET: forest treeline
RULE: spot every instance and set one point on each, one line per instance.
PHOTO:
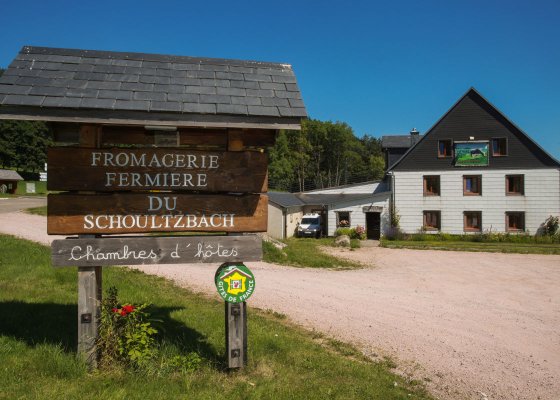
(323, 154)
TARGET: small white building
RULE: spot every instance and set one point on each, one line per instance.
(364, 204)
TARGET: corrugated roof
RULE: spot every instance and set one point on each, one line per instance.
(9, 175)
(70, 79)
(285, 199)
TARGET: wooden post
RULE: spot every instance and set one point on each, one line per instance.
(89, 281)
(236, 334)
(236, 314)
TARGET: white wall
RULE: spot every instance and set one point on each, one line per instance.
(275, 221)
(357, 215)
(541, 199)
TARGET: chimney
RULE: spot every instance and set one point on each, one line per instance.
(414, 132)
(414, 136)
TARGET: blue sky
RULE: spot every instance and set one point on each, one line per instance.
(382, 67)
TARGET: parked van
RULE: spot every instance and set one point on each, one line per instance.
(310, 226)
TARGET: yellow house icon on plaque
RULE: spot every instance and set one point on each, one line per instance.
(236, 281)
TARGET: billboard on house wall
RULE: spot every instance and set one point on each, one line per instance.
(471, 154)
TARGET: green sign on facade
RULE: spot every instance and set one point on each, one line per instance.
(471, 154)
(235, 282)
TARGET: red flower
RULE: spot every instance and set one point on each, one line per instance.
(128, 308)
(123, 312)
(115, 310)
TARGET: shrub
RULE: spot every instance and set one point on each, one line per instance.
(359, 232)
(126, 335)
(394, 233)
(343, 231)
(550, 226)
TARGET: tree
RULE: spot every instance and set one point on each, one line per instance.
(281, 172)
(23, 145)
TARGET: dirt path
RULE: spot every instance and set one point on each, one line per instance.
(473, 325)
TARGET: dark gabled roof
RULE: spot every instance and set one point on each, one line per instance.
(285, 199)
(472, 91)
(399, 141)
(331, 198)
(9, 175)
(137, 86)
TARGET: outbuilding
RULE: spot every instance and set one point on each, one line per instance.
(9, 180)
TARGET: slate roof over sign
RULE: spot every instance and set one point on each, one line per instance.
(103, 81)
(9, 175)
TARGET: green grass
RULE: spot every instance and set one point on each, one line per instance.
(305, 252)
(37, 210)
(40, 188)
(38, 342)
(493, 247)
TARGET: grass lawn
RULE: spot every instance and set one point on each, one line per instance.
(305, 252)
(38, 315)
(494, 247)
(37, 210)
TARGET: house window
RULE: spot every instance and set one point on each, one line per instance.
(445, 148)
(472, 221)
(515, 221)
(431, 185)
(432, 220)
(499, 147)
(515, 185)
(472, 185)
(343, 219)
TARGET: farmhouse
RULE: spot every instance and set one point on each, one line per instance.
(474, 171)
(364, 204)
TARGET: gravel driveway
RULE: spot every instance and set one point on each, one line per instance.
(471, 325)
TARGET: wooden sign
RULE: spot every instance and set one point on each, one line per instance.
(155, 250)
(127, 169)
(155, 212)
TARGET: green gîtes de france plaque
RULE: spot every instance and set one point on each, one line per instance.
(235, 282)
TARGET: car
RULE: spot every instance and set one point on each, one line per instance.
(310, 226)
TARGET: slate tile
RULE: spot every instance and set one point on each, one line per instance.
(177, 73)
(97, 61)
(232, 109)
(76, 67)
(201, 74)
(63, 59)
(140, 105)
(169, 88)
(139, 87)
(292, 112)
(244, 84)
(155, 96)
(140, 71)
(109, 69)
(21, 64)
(56, 74)
(284, 79)
(274, 101)
(166, 106)
(183, 97)
(156, 64)
(249, 101)
(163, 72)
(262, 110)
(14, 89)
(231, 91)
(215, 82)
(215, 98)
(275, 71)
(47, 91)
(123, 78)
(199, 108)
(296, 103)
(104, 85)
(236, 76)
(127, 63)
(7, 79)
(287, 95)
(115, 94)
(185, 67)
(92, 93)
(270, 85)
(213, 67)
(200, 89)
(34, 81)
(43, 65)
(23, 100)
(292, 87)
(88, 102)
(258, 78)
(68, 102)
(180, 81)
(71, 83)
(91, 76)
(161, 80)
(243, 70)
(2, 98)
(260, 92)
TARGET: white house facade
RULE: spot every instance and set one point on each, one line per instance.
(475, 171)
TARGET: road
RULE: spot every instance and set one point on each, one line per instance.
(470, 325)
(10, 204)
